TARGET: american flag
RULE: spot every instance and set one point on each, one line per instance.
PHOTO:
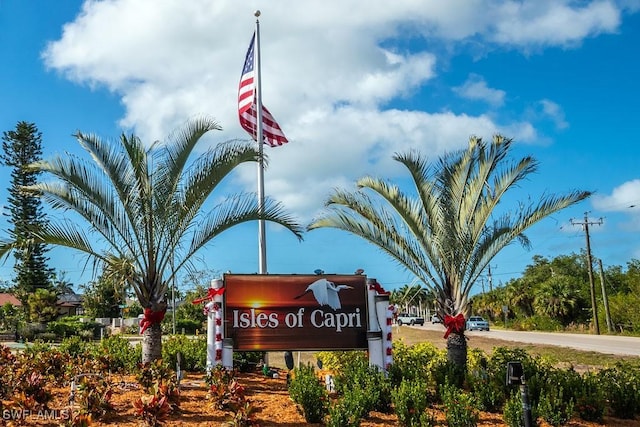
(273, 135)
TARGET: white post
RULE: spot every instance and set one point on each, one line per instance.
(211, 335)
(374, 340)
(382, 311)
(227, 353)
(377, 305)
(262, 239)
(214, 342)
(373, 324)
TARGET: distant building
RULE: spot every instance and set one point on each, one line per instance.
(9, 299)
(70, 304)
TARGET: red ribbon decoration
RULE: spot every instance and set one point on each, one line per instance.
(150, 317)
(211, 294)
(375, 286)
(454, 324)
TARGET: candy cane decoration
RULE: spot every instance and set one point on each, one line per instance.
(388, 345)
(213, 310)
(218, 332)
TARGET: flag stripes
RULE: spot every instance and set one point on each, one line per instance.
(247, 112)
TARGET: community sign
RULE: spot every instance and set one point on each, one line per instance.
(295, 312)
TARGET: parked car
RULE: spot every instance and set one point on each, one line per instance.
(435, 319)
(477, 323)
(409, 319)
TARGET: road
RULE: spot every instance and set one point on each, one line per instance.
(608, 344)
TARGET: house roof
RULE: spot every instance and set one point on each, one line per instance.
(9, 298)
(70, 299)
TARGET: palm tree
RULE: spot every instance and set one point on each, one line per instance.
(452, 230)
(147, 208)
(557, 298)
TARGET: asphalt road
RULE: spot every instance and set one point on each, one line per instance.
(608, 344)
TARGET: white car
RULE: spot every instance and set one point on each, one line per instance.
(477, 323)
(435, 319)
(409, 319)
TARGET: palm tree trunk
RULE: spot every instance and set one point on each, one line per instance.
(152, 343)
(457, 355)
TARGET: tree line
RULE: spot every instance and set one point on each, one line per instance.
(554, 294)
(142, 214)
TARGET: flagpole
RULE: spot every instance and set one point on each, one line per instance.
(262, 239)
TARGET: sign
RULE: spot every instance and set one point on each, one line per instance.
(295, 312)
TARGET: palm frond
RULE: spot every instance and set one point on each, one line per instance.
(450, 230)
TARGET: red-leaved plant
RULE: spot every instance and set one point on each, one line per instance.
(153, 409)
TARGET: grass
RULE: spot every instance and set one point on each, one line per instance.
(562, 356)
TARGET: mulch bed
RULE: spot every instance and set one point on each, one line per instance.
(268, 395)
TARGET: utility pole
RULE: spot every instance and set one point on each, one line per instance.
(585, 224)
(605, 300)
(490, 279)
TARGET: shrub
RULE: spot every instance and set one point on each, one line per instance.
(341, 414)
(512, 411)
(70, 326)
(46, 336)
(536, 323)
(33, 385)
(120, 355)
(350, 409)
(243, 413)
(410, 400)
(409, 362)
(219, 375)
(336, 360)
(193, 352)
(224, 390)
(357, 375)
(460, 407)
(189, 326)
(46, 360)
(151, 373)
(64, 329)
(444, 372)
(590, 401)
(488, 395)
(309, 393)
(568, 379)
(553, 407)
(28, 331)
(533, 368)
(93, 396)
(246, 361)
(7, 361)
(152, 409)
(74, 346)
(621, 385)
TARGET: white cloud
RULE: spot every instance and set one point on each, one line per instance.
(624, 199)
(329, 73)
(554, 111)
(476, 88)
(554, 23)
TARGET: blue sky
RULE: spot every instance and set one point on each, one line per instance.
(349, 86)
